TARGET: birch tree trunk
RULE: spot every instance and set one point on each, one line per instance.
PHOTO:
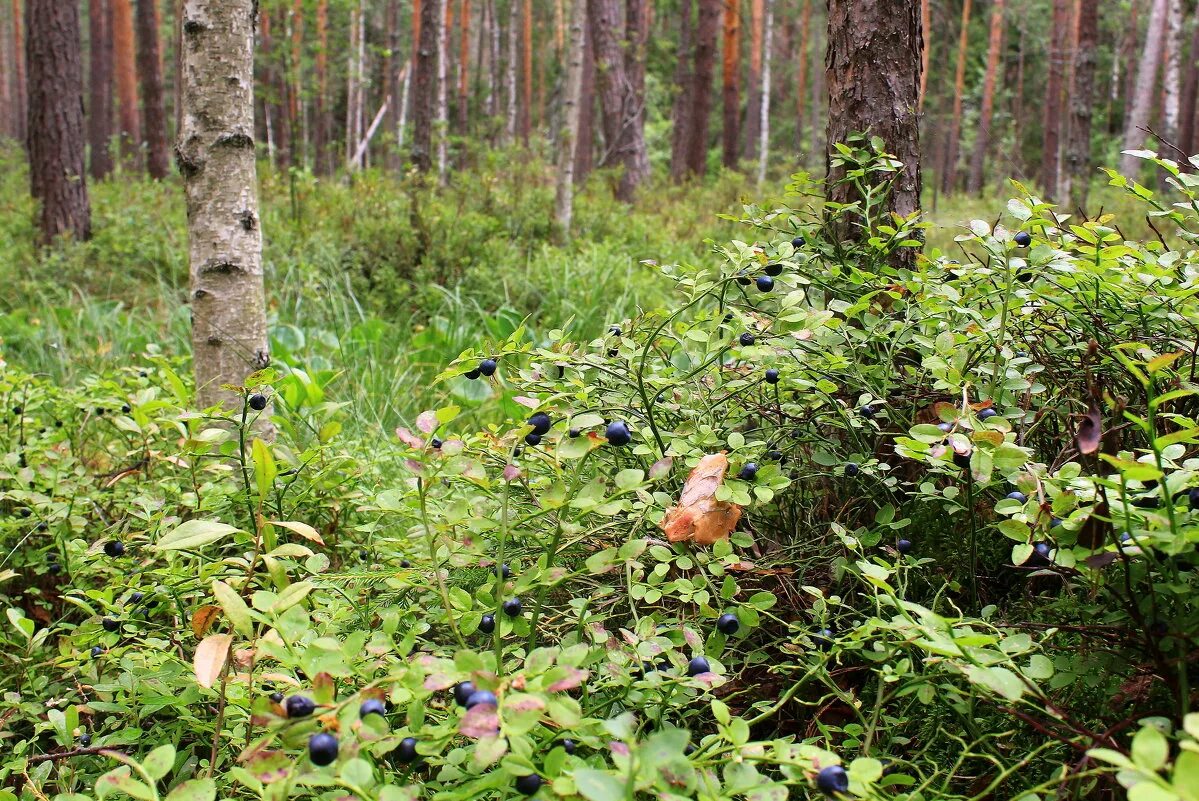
(215, 155)
(510, 68)
(441, 123)
(1141, 102)
(983, 139)
(1172, 72)
(464, 67)
(99, 107)
(564, 196)
(57, 175)
(764, 111)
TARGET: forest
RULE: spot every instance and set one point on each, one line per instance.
(599, 400)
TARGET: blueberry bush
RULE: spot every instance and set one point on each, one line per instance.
(823, 524)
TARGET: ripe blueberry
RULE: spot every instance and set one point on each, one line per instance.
(487, 367)
(276, 697)
(749, 472)
(852, 469)
(774, 269)
(299, 706)
(472, 375)
(540, 422)
(987, 414)
(568, 745)
(85, 740)
(618, 434)
(1193, 497)
(126, 409)
(772, 376)
(512, 607)
(962, 460)
(436, 443)
(727, 624)
(823, 639)
(96, 651)
(114, 548)
(406, 751)
(798, 242)
(404, 563)
(746, 339)
(832, 780)
(505, 571)
(532, 439)
(110, 624)
(463, 691)
(528, 784)
(322, 749)
(867, 411)
(1017, 496)
(487, 624)
(575, 433)
(1023, 239)
(697, 666)
(765, 283)
(614, 330)
(481, 697)
(904, 546)
(946, 427)
(258, 401)
(743, 279)
(372, 706)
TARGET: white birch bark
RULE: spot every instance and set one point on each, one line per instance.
(564, 196)
(764, 125)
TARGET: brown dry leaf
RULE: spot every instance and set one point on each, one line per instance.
(210, 658)
(202, 620)
(699, 517)
(1090, 430)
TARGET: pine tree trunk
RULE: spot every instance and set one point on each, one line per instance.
(20, 92)
(463, 67)
(1077, 174)
(99, 107)
(637, 17)
(1190, 87)
(983, 139)
(684, 81)
(57, 175)
(585, 146)
(149, 65)
(323, 135)
(216, 159)
(621, 104)
(949, 169)
(126, 74)
(801, 80)
(443, 74)
(764, 105)
(926, 30)
(731, 56)
(564, 196)
(8, 123)
(707, 32)
(753, 105)
(295, 84)
(872, 70)
(1141, 102)
(1055, 86)
(424, 86)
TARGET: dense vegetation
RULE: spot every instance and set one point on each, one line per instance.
(963, 497)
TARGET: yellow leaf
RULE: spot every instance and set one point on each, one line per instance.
(202, 620)
(303, 529)
(210, 658)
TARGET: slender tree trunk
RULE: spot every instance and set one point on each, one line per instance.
(637, 22)
(684, 81)
(1172, 73)
(564, 196)
(707, 32)
(126, 73)
(926, 28)
(295, 84)
(764, 109)
(424, 86)
(983, 139)
(1128, 54)
(391, 84)
(353, 95)
(323, 135)
(622, 111)
(20, 76)
(1190, 87)
(56, 134)
(949, 169)
(585, 146)
(753, 106)
(510, 71)
(99, 107)
(8, 122)
(149, 65)
(1141, 102)
(1076, 177)
(801, 80)
(463, 67)
(1051, 126)
(526, 72)
(873, 75)
(443, 112)
(216, 158)
(731, 56)
(490, 31)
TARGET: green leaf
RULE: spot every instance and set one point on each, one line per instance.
(194, 534)
(291, 596)
(264, 467)
(598, 785)
(234, 607)
(158, 763)
(194, 790)
(1150, 749)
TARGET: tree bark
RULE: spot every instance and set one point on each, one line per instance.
(983, 139)
(99, 107)
(126, 74)
(872, 70)
(585, 146)
(216, 158)
(949, 169)
(391, 83)
(444, 24)
(149, 66)
(684, 83)
(1171, 72)
(926, 28)
(731, 56)
(764, 103)
(1059, 54)
(526, 72)
(564, 195)
(1076, 177)
(801, 79)
(621, 104)
(322, 136)
(295, 84)
(56, 135)
(463, 67)
(424, 86)
(20, 76)
(1142, 99)
(707, 32)
(1190, 87)
(753, 105)
(510, 68)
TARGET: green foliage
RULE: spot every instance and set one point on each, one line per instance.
(1022, 648)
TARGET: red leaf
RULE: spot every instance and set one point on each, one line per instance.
(426, 422)
(480, 720)
(409, 439)
(574, 678)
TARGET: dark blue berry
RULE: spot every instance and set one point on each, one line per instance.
(765, 283)
(299, 706)
(532, 439)
(528, 784)
(1023, 239)
(406, 750)
(832, 780)
(618, 434)
(904, 546)
(798, 242)
(772, 376)
(258, 401)
(697, 666)
(372, 706)
(479, 697)
(749, 472)
(568, 745)
(852, 469)
(462, 691)
(114, 548)
(487, 367)
(727, 624)
(1017, 496)
(746, 339)
(774, 269)
(540, 422)
(487, 624)
(512, 607)
(322, 749)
